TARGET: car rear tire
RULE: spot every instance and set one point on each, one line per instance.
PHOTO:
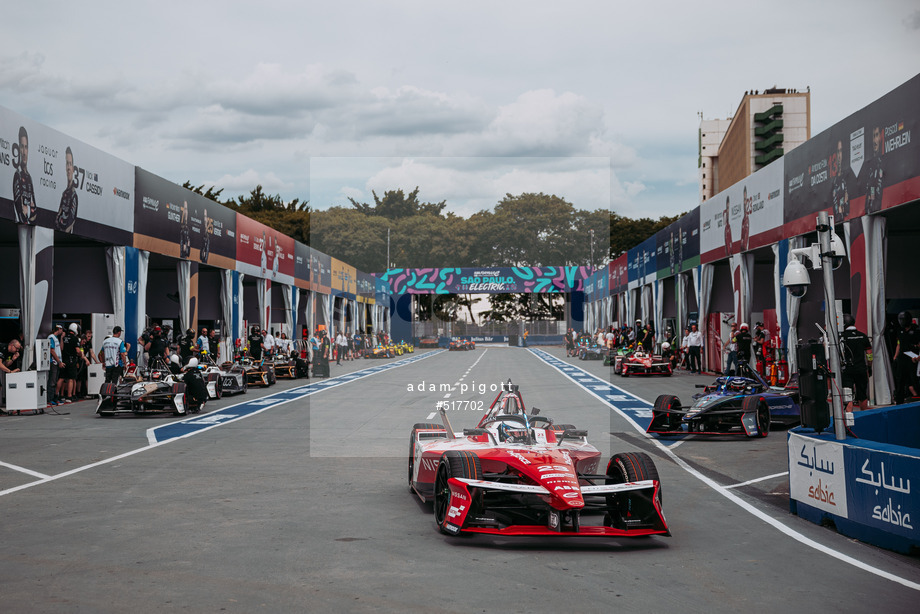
(762, 411)
(454, 464)
(665, 403)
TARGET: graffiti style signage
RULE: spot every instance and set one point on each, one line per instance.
(49, 179)
(493, 280)
(678, 245)
(177, 222)
(864, 164)
(264, 252)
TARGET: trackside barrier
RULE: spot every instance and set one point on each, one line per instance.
(868, 487)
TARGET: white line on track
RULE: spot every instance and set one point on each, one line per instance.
(156, 444)
(725, 492)
(432, 415)
(34, 474)
(755, 480)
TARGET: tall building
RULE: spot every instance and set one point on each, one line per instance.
(765, 125)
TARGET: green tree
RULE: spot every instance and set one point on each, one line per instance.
(395, 205)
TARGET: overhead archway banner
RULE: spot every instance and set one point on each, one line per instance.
(487, 280)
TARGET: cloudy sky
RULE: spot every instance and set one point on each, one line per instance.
(594, 101)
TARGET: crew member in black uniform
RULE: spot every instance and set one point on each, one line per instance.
(255, 343)
(157, 348)
(73, 356)
(196, 391)
(857, 362)
(905, 367)
(24, 207)
(186, 345)
(67, 211)
(743, 339)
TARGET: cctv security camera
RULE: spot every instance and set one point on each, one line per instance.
(839, 250)
(796, 278)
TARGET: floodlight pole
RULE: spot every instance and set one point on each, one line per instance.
(825, 226)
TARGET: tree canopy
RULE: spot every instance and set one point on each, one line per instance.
(529, 229)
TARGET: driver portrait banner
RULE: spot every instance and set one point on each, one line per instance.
(175, 221)
(864, 164)
(51, 180)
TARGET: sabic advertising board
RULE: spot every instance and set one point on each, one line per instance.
(50, 179)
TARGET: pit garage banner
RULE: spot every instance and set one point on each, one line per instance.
(493, 280)
(264, 252)
(302, 274)
(744, 217)
(618, 275)
(52, 180)
(864, 164)
(641, 262)
(678, 245)
(344, 279)
(320, 271)
(174, 221)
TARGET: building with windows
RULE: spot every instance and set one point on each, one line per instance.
(765, 126)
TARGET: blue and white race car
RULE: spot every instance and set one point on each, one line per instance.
(743, 405)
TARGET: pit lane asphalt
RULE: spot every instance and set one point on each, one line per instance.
(304, 507)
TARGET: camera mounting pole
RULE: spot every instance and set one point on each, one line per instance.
(825, 228)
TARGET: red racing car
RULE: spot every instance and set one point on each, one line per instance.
(517, 473)
(642, 363)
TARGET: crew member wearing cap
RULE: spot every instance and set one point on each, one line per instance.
(72, 354)
(743, 339)
(114, 356)
(54, 343)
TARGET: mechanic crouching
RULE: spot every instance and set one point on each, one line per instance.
(196, 391)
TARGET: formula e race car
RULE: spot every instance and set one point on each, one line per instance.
(591, 351)
(615, 357)
(642, 363)
(457, 345)
(743, 405)
(407, 348)
(227, 378)
(380, 352)
(155, 392)
(258, 372)
(287, 367)
(518, 473)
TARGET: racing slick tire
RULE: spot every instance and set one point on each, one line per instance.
(632, 467)
(664, 403)
(419, 426)
(454, 464)
(758, 405)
